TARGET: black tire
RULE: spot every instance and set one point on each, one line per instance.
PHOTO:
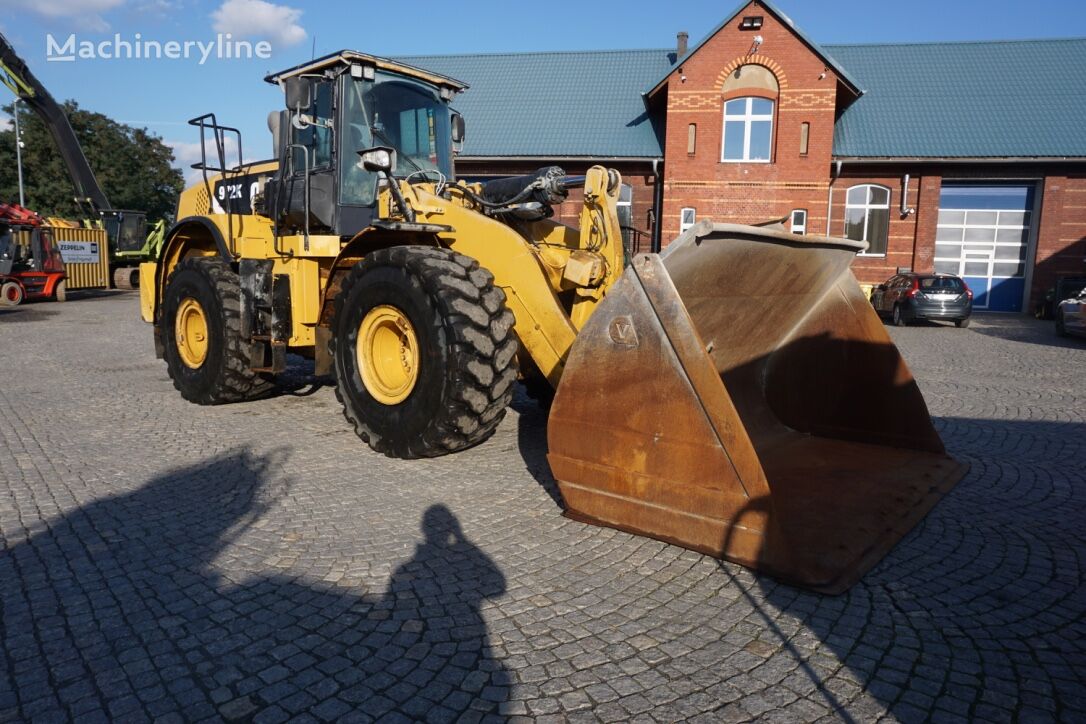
(1061, 326)
(961, 323)
(466, 343)
(11, 294)
(899, 316)
(60, 292)
(126, 277)
(224, 376)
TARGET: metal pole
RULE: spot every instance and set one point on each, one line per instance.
(18, 152)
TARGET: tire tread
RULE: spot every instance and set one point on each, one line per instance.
(482, 349)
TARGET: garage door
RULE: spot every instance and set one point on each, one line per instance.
(983, 236)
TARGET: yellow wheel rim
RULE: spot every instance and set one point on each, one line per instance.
(190, 331)
(388, 354)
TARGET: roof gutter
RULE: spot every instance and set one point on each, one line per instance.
(876, 161)
(642, 159)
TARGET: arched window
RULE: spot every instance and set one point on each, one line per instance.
(750, 93)
(748, 130)
(867, 216)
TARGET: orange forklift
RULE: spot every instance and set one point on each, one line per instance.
(30, 263)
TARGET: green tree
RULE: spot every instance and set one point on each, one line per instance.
(133, 166)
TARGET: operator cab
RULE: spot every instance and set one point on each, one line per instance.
(340, 105)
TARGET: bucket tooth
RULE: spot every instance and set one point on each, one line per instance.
(737, 395)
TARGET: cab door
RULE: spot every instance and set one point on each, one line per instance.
(309, 162)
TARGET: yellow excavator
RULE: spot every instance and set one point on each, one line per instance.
(735, 394)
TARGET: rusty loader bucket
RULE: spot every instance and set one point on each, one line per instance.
(737, 395)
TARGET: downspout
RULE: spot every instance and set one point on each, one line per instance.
(906, 210)
(657, 206)
(829, 193)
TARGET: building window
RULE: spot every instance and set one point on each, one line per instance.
(691, 138)
(748, 130)
(867, 217)
(799, 221)
(804, 138)
(687, 218)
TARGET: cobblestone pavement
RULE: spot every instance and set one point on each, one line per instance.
(160, 560)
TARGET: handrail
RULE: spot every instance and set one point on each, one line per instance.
(305, 188)
(206, 122)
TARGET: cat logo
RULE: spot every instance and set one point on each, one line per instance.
(622, 332)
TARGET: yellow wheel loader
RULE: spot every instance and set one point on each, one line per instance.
(736, 394)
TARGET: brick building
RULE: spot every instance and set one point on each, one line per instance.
(968, 158)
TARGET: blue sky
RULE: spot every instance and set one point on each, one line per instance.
(161, 94)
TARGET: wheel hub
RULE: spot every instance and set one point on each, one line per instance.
(388, 354)
(190, 331)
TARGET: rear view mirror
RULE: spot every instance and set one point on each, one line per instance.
(299, 92)
(457, 128)
(277, 124)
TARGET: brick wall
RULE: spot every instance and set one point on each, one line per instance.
(1061, 237)
(901, 247)
(749, 192)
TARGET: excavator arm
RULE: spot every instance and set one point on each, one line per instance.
(15, 74)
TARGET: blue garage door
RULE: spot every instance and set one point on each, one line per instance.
(982, 236)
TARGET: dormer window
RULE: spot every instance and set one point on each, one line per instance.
(748, 130)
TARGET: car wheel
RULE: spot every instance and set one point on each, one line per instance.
(899, 316)
(1061, 327)
(961, 323)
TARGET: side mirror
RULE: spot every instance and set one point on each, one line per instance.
(378, 158)
(299, 92)
(277, 124)
(457, 128)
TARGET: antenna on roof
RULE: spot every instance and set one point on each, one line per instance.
(313, 53)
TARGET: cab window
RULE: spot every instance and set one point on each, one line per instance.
(317, 138)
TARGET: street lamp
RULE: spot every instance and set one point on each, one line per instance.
(18, 151)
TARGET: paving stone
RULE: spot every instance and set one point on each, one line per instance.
(259, 552)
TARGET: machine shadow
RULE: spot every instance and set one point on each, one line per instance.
(138, 606)
(977, 608)
(977, 612)
(532, 442)
(1019, 328)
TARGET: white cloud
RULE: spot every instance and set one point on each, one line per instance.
(260, 19)
(7, 123)
(87, 13)
(186, 153)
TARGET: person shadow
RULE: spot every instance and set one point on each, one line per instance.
(189, 598)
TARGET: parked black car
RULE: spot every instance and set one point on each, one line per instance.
(907, 297)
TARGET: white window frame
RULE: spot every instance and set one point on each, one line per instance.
(747, 117)
(799, 227)
(867, 207)
(683, 225)
(988, 255)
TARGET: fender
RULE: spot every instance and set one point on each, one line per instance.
(169, 256)
(368, 240)
(212, 230)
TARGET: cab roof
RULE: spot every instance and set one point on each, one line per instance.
(352, 57)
